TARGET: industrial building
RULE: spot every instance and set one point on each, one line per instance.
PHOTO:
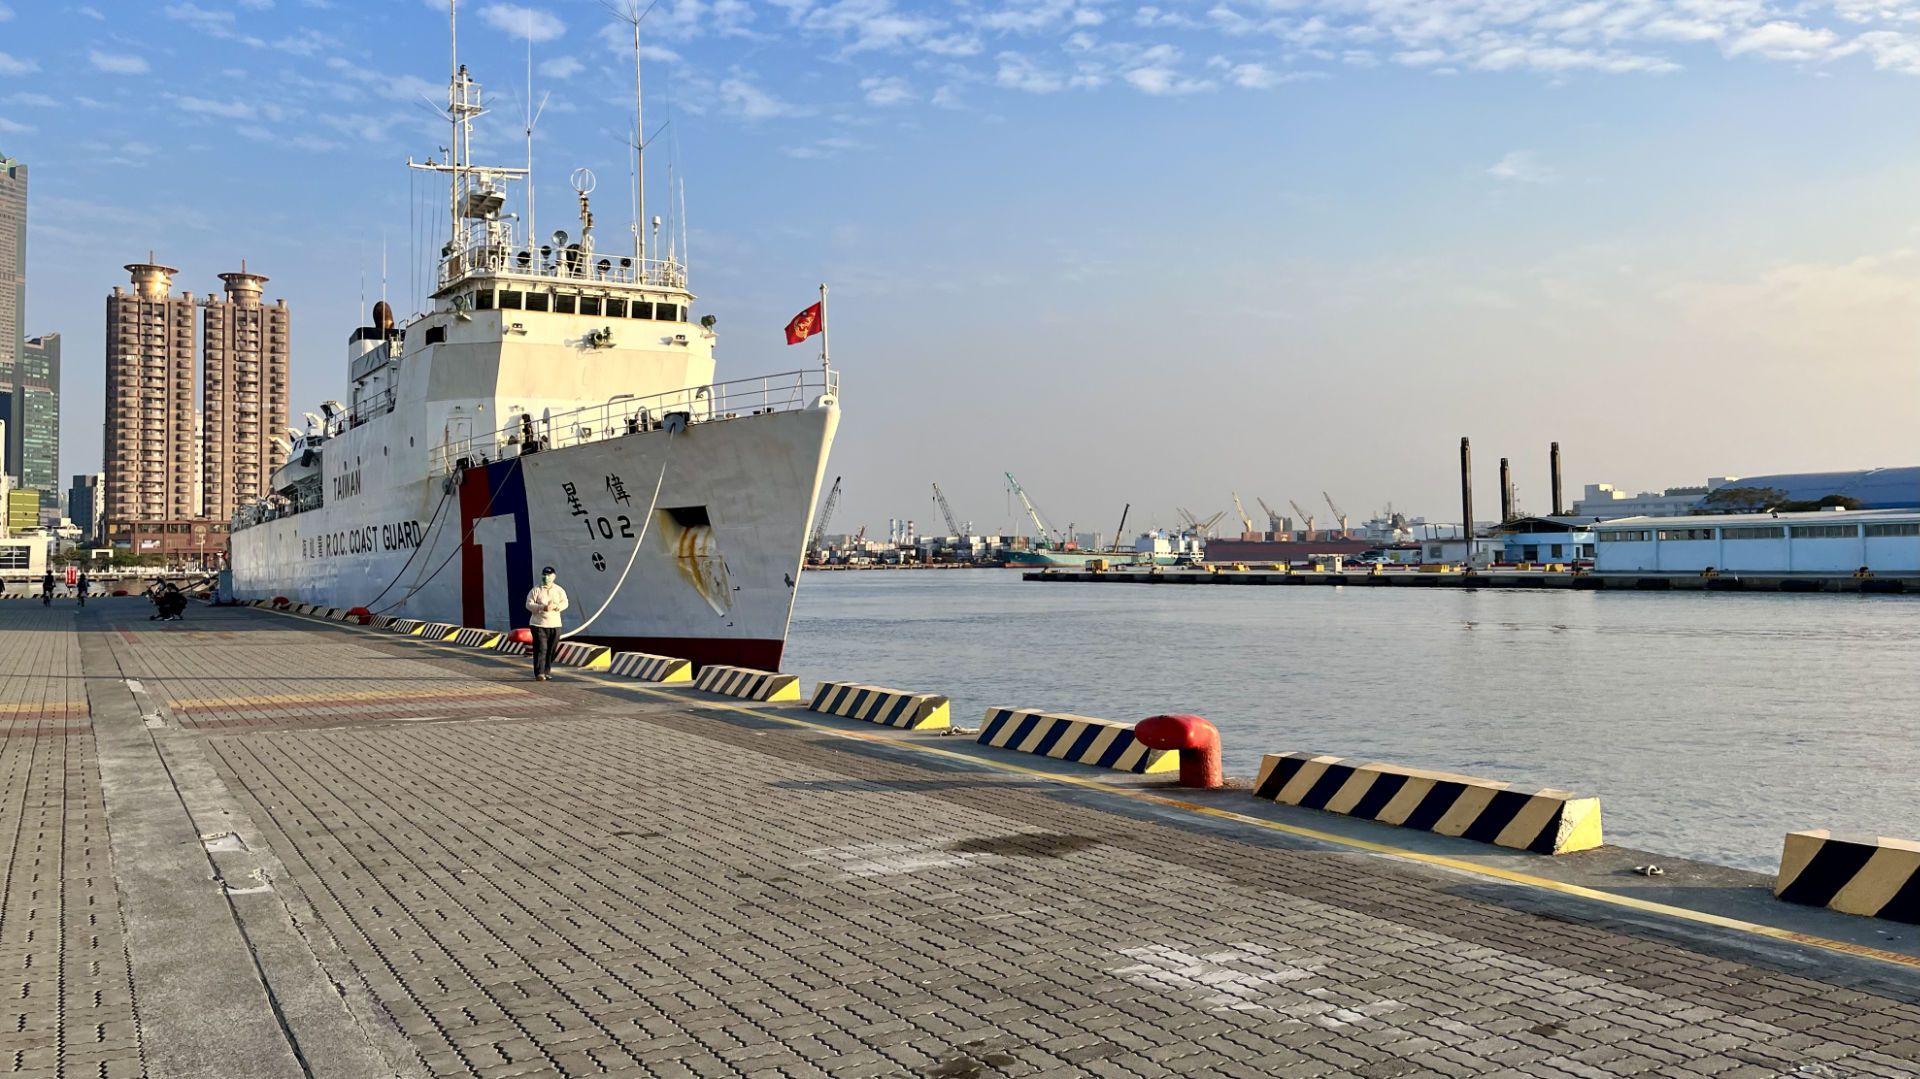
(1871, 488)
(1827, 543)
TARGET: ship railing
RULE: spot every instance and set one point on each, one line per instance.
(631, 414)
(565, 265)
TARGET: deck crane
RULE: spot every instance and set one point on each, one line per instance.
(1304, 515)
(826, 517)
(1275, 522)
(1200, 527)
(1241, 510)
(953, 527)
(1046, 536)
(1337, 515)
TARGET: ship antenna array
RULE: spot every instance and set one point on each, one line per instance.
(633, 15)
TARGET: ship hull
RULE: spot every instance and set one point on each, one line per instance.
(705, 572)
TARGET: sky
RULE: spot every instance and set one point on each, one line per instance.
(1145, 253)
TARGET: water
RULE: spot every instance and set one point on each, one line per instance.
(1709, 723)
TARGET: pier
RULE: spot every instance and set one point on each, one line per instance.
(1497, 577)
(274, 845)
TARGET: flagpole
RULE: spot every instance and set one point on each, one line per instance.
(824, 365)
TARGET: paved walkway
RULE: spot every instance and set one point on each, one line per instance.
(252, 845)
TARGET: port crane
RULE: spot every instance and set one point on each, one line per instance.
(1200, 527)
(826, 517)
(1046, 535)
(953, 527)
(1304, 515)
(1337, 515)
(1275, 522)
(1240, 510)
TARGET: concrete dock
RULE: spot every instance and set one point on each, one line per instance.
(1498, 577)
(254, 844)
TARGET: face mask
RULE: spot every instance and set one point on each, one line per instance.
(546, 578)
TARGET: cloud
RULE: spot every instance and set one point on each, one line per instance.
(12, 66)
(256, 5)
(525, 23)
(91, 13)
(226, 110)
(1520, 166)
(1255, 76)
(12, 127)
(561, 67)
(31, 100)
(821, 148)
(749, 102)
(1785, 41)
(6, 13)
(1164, 81)
(114, 63)
(1017, 72)
(886, 90)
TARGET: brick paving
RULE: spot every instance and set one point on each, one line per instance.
(565, 880)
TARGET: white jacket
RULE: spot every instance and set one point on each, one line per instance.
(546, 601)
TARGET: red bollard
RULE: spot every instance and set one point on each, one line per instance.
(523, 635)
(1198, 742)
(281, 601)
(360, 615)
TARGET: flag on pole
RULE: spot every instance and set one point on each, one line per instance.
(804, 325)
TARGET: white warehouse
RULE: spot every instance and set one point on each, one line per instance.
(1826, 543)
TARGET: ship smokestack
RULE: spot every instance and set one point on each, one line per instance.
(1553, 468)
(1506, 491)
(1466, 494)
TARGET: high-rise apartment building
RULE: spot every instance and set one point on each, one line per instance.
(243, 393)
(35, 451)
(87, 505)
(152, 461)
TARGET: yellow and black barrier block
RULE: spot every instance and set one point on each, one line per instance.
(587, 657)
(512, 647)
(468, 637)
(1869, 875)
(650, 668)
(406, 626)
(1542, 820)
(1101, 743)
(874, 704)
(380, 621)
(438, 631)
(748, 684)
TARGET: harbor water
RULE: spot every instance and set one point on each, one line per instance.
(1709, 723)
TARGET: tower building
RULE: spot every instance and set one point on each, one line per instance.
(151, 460)
(243, 393)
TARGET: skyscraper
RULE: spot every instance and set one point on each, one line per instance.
(13, 300)
(36, 441)
(13, 268)
(243, 393)
(152, 462)
(86, 506)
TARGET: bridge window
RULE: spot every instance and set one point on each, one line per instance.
(483, 300)
(589, 305)
(616, 308)
(563, 304)
(509, 300)
(537, 301)
(639, 309)
(667, 312)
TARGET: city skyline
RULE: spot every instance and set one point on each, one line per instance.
(1159, 253)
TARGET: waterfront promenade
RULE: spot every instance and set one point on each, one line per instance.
(251, 844)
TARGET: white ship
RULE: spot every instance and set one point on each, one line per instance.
(554, 407)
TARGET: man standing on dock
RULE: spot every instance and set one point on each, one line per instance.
(545, 603)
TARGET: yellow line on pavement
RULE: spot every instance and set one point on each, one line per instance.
(1442, 861)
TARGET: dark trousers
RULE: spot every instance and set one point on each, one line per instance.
(545, 638)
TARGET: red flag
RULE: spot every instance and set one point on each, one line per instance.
(804, 325)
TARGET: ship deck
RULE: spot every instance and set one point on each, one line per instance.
(251, 843)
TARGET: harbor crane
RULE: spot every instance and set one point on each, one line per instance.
(953, 527)
(1275, 522)
(826, 517)
(1200, 527)
(1046, 535)
(1240, 510)
(1304, 515)
(1337, 515)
